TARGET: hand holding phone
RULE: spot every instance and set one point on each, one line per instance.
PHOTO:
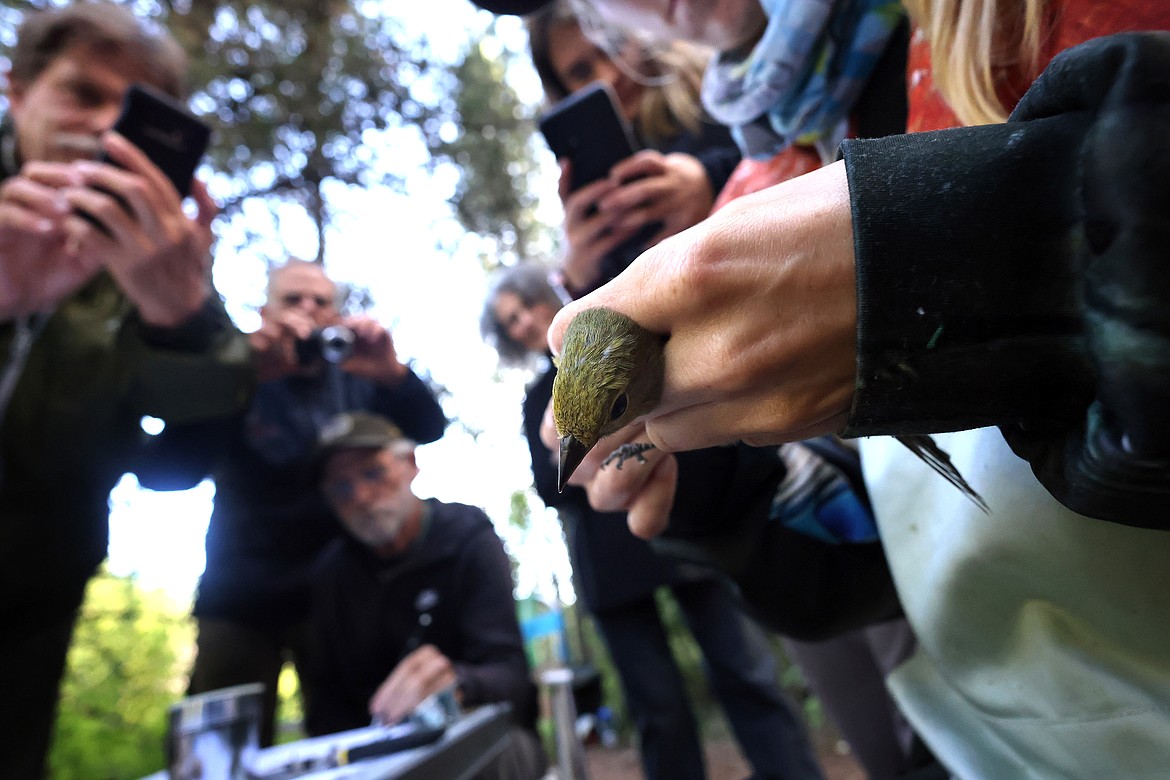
(156, 252)
(165, 131)
(588, 129)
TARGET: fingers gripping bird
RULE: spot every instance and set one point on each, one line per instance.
(611, 372)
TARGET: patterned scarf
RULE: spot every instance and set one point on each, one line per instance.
(817, 499)
(800, 82)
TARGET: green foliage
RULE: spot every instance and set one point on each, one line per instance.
(298, 92)
(520, 513)
(792, 679)
(306, 95)
(126, 666)
(589, 648)
(689, 657)
(290, 712)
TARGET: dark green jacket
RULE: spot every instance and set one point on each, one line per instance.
(72, 426)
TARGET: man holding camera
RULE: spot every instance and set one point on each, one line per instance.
(270, 522)
(103, 320)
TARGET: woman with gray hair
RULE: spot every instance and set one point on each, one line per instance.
(515, 309)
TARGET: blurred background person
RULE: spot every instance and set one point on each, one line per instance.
(269, 522)
(102, 321)
(414, 600)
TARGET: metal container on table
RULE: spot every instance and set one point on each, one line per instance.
(214, 735)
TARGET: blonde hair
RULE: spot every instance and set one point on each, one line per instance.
(675, 106)
(975, 45)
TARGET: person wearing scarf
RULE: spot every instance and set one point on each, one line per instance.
(801, 81)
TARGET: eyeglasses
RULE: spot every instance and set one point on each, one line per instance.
(294, 299)
(341, 490)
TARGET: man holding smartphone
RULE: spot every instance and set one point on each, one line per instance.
(102, 321)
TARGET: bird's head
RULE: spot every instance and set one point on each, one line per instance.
(609, 373)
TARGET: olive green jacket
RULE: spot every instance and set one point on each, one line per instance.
(72, 425)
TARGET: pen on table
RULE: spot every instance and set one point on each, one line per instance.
(393, 743)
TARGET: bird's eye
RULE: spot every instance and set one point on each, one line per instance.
(619, 407)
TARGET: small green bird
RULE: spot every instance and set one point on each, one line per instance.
(611, 371)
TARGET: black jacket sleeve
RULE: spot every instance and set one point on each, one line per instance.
(1016, 275)
(412, 405)
(184, 453)
(493, 666)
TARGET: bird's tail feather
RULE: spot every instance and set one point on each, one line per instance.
(925, 447)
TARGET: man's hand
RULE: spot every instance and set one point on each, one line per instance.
(423, 672)
(374, 356)
(158, 255)
(274, 344)
(759, 301)
(36, 268)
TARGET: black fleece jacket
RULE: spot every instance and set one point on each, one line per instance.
(1018, 275)
(367, 610)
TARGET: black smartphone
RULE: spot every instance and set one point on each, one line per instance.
(588, 129)
(173, 138)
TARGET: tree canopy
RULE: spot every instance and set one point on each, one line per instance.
(303, 95)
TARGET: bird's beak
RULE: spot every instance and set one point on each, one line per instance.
(572, 453)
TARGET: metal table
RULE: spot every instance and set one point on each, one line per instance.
(468, 744)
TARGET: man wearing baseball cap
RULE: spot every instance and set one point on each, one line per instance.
(414, 600)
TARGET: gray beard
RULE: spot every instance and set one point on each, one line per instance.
(388, 521)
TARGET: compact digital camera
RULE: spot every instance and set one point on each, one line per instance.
(332, 344)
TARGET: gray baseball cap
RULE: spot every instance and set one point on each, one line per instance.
(357, 430)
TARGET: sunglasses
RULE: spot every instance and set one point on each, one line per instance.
(294, 299)
(340, 490)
